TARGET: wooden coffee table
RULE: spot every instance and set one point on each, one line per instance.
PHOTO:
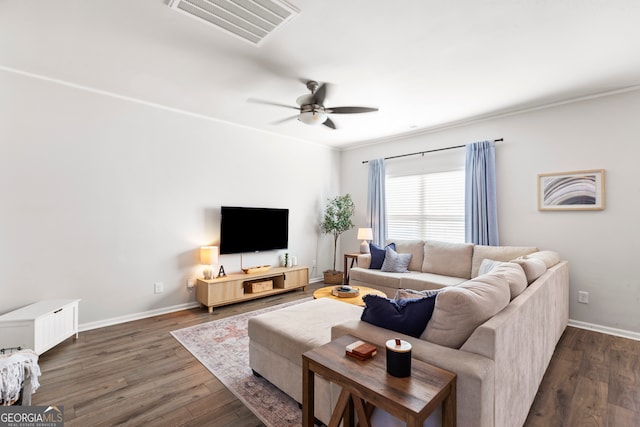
(367, 384)
(326, 293)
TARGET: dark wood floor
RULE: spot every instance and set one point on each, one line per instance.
(137, 374)
(592, 380)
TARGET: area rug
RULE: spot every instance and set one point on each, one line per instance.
(222, 346)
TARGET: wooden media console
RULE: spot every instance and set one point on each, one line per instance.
(238, 287)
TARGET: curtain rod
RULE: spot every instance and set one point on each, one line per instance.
(429, 151)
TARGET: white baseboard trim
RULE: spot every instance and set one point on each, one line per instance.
(605, 329)
(136, 316)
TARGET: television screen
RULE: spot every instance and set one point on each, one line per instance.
(253, 229)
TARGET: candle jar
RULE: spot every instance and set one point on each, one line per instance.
(398, 358)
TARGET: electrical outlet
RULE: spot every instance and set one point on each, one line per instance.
(583, 297)
(313, 264)
(158, 287)
(191, 282)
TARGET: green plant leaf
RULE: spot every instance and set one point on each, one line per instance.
(338, 215)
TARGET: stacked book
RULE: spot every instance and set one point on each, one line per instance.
(361, 350)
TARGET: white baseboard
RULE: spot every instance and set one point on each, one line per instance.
(605, 329)
(136, 316)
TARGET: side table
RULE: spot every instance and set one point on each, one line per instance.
(354, 258)
(366, 384)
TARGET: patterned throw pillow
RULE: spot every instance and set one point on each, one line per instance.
(395, 262)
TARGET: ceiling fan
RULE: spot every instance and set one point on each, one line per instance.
(311, 107)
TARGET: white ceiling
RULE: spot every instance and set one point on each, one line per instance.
(424, 64)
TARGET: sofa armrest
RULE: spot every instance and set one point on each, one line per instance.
(521, 340)
(475, 381)
(364, 260)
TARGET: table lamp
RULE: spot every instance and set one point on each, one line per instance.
(365, 234)
(208, 257)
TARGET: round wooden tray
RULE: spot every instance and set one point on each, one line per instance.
(336, 292)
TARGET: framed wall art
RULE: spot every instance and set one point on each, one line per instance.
(571, 191)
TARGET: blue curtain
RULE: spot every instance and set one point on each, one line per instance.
(376, 202)
(481, 207)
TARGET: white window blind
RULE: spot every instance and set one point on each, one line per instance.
(426, 206)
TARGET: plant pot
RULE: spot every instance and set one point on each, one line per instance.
(333, 277)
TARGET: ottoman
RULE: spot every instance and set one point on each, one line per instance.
(277, 340)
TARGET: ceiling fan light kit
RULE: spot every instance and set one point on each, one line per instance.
(313, 117)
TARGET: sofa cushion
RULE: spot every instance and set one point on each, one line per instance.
(459, 310)
(376, 278)
(378, 254)
(409, 316)
(533, 268)
(423, 281)
(498, 253)
(364, 260)
(550, 258)
(512, 271)
(395, 262)
(402, 294)
(448, 259)
(413, 247)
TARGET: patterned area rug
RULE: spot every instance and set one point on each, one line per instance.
(222, 346)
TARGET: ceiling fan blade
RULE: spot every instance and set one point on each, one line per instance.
(321, 93)
(349, 110)
(329, 123)
(286, 119)
(275, 104)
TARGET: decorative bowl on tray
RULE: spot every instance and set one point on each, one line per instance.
(345, 291)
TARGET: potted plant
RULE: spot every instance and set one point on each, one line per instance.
(337, 219)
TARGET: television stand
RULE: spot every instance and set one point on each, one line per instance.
(239, 287)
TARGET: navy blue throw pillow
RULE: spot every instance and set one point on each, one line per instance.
(409, 316)
(377, 255)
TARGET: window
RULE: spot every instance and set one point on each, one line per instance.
(426, 206)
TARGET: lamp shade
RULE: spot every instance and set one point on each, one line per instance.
(365, 234)
(208, 255)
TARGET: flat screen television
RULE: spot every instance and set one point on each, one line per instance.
(244, 229)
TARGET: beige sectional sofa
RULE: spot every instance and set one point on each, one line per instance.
(433, 265)
(499, 360)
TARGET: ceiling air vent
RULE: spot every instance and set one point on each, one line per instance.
(251, 20)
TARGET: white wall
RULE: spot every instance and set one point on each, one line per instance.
(101, 197)
(601, 246)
